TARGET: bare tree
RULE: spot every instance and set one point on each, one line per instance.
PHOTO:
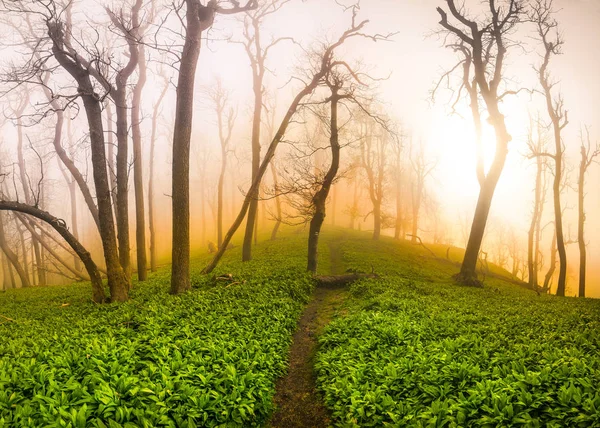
(542, 15)
(226, 116)
(536, 145)
(399, 181)
(257, 54)
(373, 158)
(422, 168)
(484, 45)
(198, 18)
(322, 64)
(81, 71)
(136, 34)
(588, 156)
(153, 138)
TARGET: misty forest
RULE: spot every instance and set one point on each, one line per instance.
(299, 213)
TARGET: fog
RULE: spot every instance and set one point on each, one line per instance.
(399, 73)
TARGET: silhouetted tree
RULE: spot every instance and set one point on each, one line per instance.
(484, 43)
(542, 15)
(320, 65)
(588, 155)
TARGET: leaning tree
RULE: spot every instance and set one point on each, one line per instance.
(483, 43)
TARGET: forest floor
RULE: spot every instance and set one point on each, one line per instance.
(297, 400)
(408, 348)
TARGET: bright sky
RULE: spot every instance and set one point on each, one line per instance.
(416, 60)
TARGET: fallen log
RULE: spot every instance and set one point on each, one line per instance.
(341, 280)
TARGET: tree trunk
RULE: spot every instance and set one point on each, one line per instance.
(60, 226)
(398, 225)
(153, 137)
(560, 239)
(12, 257)
(74, 221)
(552, 267)
(320, 198)
(253, 208)
(112, 165)
(198, 19)
(468, 273)
(581, 223)
(138, 177)
(120, 99)
(277, 203)
(24, 252)
(532, 253)
(41, 274)
(118, 282)
(220, 194)
(66, 160)
(6, 284)
(376, 220)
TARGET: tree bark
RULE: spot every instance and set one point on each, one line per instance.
(138, 177)
(61, 228)
(319, 200)
(118, 282)
(198, 18)
(257, 62)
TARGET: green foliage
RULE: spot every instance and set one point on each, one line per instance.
(207, 358)
(417, 350)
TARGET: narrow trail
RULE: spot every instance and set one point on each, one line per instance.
(298, 402)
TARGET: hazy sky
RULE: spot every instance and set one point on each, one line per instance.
(415, 59)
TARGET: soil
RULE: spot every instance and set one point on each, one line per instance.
(298, 402)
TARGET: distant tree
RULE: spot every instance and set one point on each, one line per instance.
(373, 159)
(484, 44)
(542, 14)
(399, 170)
(12, 257)
(321, 64)
(258, 53)
(226, 116)
(536, 145)
(422, 168)
(151, 172)
(589, 154)
(136, 35)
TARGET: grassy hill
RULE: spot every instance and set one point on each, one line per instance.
(408, 349)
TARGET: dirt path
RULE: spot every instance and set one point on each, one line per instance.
(297, 400)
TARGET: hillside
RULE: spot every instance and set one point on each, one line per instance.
(407, 349)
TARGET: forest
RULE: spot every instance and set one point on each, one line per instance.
(299, 213)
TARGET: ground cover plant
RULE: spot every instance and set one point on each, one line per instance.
(206, 358)
(414, 349)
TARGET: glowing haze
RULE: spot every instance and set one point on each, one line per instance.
(412, 62)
